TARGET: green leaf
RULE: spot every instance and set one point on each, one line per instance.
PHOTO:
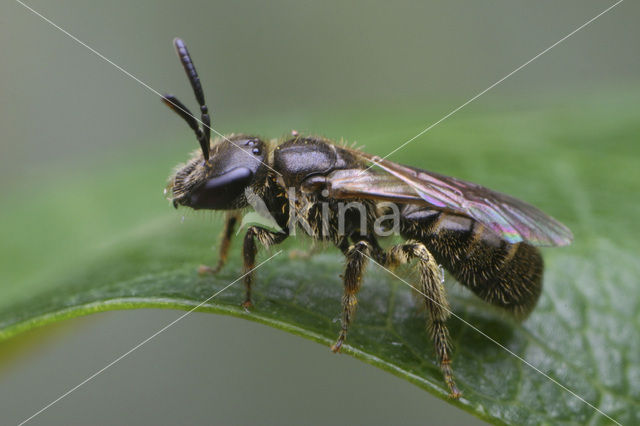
(577, 162)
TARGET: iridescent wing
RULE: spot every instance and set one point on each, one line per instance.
(514, 220)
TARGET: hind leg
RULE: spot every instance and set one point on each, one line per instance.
(435, 301)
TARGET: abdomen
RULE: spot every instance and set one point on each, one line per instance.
(503, 274)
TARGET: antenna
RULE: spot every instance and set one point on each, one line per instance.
(202, 134)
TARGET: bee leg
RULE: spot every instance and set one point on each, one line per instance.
(249, 251)
(435, 300)
(357, 257)
(231, 219)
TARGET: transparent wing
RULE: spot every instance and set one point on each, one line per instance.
(514, 220)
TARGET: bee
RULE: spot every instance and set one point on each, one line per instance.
(485, 239)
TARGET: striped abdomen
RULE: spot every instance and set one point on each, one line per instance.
(503, 274)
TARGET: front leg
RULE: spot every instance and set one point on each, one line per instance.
(231, 220)
(249, 251)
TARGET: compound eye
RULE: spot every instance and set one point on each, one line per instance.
(220, 191)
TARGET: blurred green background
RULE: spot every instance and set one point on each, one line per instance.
(68, 118)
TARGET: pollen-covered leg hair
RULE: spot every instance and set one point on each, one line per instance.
(249, 251)
(231, 220)
(435, 300)
(357, 257)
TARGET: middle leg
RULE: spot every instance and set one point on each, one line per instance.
(357, 256)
